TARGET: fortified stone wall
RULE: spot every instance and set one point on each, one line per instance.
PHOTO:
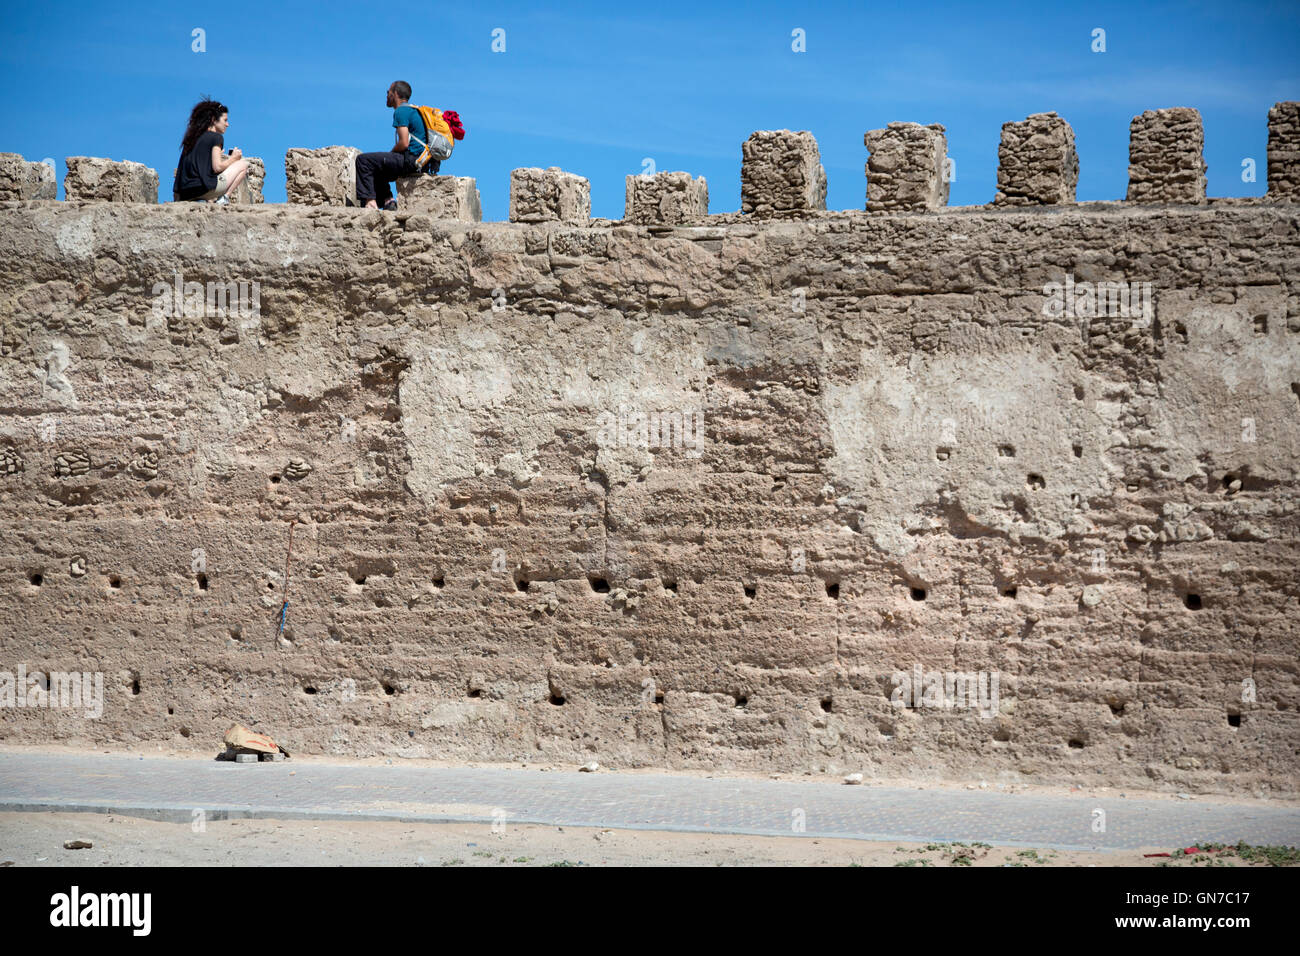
(692, 495)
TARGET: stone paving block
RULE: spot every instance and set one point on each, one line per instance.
(542, 195)
(781, 174)
(665, 198)
(443, 197)
(1284, 150)
(1164, 156)
(1037, 162)
(906, 167)
(246, 758)
(93, 179)
(321, 177)
(20, 179)
(165, 788)
(250, 190)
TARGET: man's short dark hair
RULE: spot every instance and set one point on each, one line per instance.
(402, 89)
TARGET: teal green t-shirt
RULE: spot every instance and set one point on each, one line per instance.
(409, 117)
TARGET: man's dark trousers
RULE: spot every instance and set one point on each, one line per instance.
(376, 170)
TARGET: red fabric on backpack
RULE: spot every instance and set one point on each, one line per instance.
(453, 120)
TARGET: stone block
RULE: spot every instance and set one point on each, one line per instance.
(1284, 151)
(1037, 162)
(541, 195)
(20, 179)
(1164, 157)
(906, 168)
(442, 197)
(250, 190)
(93, 179)
(321, 177)
(665, 198)
(781, 174)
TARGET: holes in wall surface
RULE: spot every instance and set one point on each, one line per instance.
(1295, 390)
(359, 581)
(135, 685)
(1076, 743)
(201, 580)
(1035, 481)
(741, 700)
(439, 582)
(310, 690)
(185, 732)
(275, 479)
(35, 578)
(918, 594)
(1009, 593)
(389, 689)
(659, 698)
(1117, 709)
(1078, 393)
(1192, 601)
(556, 699)
(475, 693)
(170, 711)
(521, 584)
(1180, 331)
(1234, 720)
(942, 454)
(826, 704)
(751, 591)
(833, 590)
(236, 633)
(1077, 449)
(1006, 451)
(599, 585)
(670, 585)
(1261, 324)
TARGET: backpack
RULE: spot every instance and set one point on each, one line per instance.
(446, 126)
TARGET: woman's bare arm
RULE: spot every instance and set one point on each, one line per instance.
(221, 163)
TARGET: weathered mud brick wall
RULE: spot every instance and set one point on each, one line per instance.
(781, 174)
(1165, 156)
(906, 168)
(1037, 163)
(664, 495)
(20, 179)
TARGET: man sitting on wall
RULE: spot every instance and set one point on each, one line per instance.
(376, 170)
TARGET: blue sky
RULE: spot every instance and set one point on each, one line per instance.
(596, 89)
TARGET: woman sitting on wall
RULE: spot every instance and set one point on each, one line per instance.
(205, 172)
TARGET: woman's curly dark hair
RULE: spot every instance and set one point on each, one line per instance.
(206, 112)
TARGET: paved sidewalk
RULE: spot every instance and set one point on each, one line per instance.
(170, 789)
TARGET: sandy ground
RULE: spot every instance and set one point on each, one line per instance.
(36, 839)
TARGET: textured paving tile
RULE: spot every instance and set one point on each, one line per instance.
(171, 788)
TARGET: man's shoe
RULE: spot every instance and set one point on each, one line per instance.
(391, 205)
